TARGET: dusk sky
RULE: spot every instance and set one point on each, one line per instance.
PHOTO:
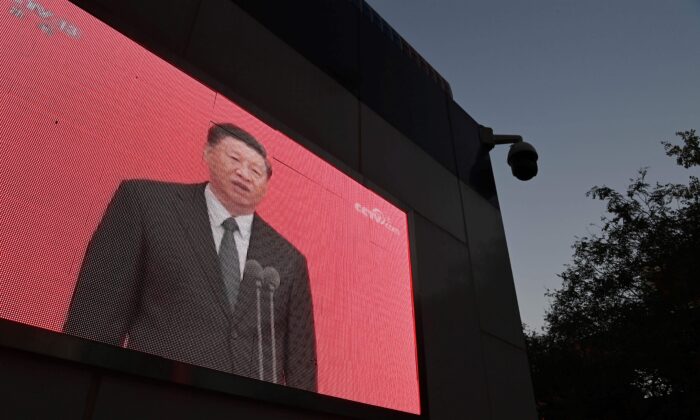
(594, 85)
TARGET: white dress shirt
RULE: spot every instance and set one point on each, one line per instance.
(217, 215)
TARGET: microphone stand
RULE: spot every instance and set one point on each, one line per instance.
(258, 285)
(272, 280)
(272, 329)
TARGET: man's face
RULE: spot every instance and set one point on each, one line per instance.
(237, 174)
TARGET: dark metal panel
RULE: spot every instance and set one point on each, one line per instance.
(473, 162)
(130, 398)
(31, 387)
(509, 383)
(498, 305)
(399, 166)
(451, 339)
(326, 32)
(395, 87)
(100, 358)
(252, 62)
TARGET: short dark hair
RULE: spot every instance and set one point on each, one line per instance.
(219, 131)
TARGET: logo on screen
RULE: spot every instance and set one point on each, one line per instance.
(49, 23)
(377, 216)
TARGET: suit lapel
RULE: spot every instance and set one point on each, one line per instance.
(259, 245)
(192, 212)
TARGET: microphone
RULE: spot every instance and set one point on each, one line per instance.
(271, 277)
(254, 270)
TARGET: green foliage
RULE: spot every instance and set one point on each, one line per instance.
(623, 331)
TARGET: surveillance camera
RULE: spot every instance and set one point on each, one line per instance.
(522, 159)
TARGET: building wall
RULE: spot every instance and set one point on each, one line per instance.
(332, 75)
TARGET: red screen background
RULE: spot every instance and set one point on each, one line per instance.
(84, 109)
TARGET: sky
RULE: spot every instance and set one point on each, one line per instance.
(594, 85)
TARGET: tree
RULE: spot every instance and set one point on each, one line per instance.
(622, 335)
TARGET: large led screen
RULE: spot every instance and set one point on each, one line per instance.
(140, 208)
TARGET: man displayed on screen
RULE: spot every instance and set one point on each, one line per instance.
(192, 273)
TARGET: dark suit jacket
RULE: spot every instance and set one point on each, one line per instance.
(151, 281)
